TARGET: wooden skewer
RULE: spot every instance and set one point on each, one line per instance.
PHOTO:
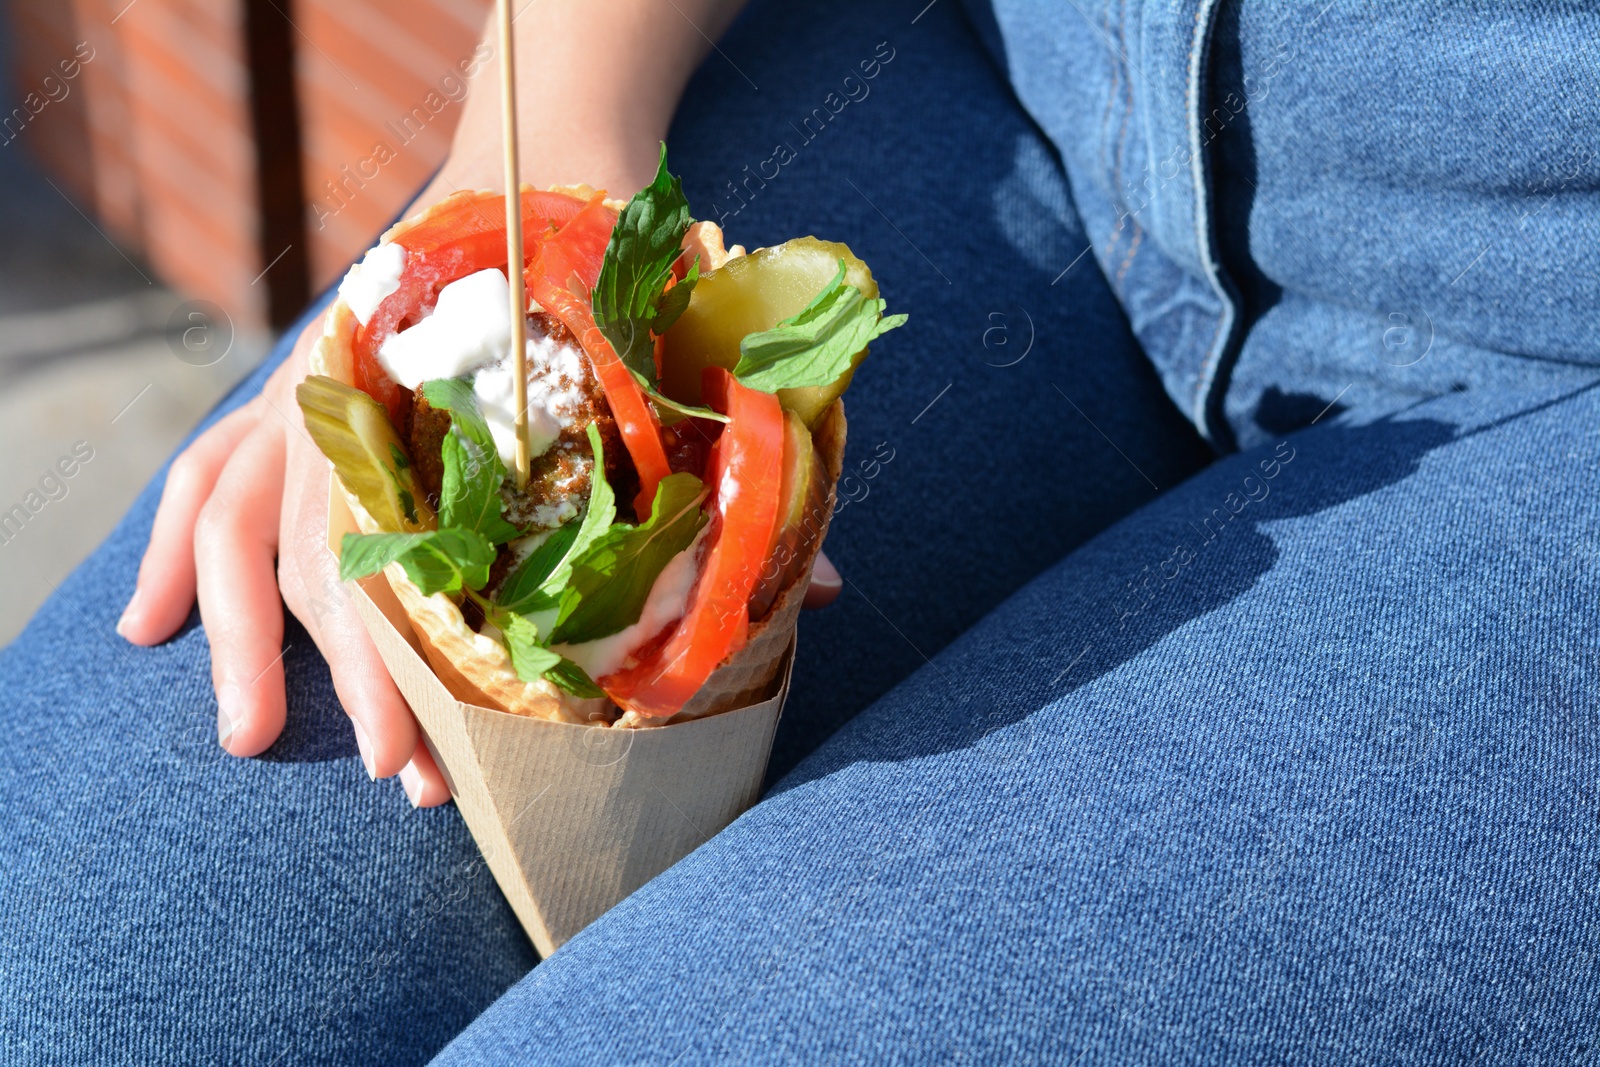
(519, 325)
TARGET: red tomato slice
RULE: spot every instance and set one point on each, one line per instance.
(474, 224)
(462, 234)
(745, 471)
(641, 433)
(561, 279)
(582, 242)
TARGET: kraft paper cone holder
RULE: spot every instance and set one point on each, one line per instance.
(570, 818)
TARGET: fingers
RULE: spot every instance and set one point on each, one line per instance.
(425, 787)
(386, 733)
(826, 583)
(235, 547)
(165, 589)
(217, 536)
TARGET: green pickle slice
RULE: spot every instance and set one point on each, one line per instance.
(354, 432)
(751, 294)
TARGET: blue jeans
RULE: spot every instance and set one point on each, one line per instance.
(1110, 753)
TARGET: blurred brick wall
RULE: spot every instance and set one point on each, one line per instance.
(153, 134)
(90, 109)
(187, 99)
(380, 85)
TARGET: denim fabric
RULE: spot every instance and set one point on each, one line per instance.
(1312, 784)
(1117, 86)
(1297, 763)
(162, 903)
(1387, 199)
(1405, 221)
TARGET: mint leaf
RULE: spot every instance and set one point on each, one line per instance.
(521, 591)
(671, 303)
(455, 396)
(627, 295)
(438, 561)
(611, 580)
(364, 554)
(528, 656)
(533, 661)
(536, 582)
(598, 517)
(469, 493)
(668, 404)
(817, 345)
(574, 679)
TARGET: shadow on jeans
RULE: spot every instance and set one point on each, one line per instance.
(1180, 558)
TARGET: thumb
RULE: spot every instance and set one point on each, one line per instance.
(826, 583)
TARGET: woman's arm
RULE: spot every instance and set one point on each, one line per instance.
(597, 86)
(243, 515)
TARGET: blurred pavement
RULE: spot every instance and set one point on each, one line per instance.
(94, 354)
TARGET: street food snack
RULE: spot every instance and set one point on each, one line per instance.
(686, 433)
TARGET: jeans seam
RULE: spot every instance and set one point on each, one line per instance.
(1205, 381)
(1120, 141)
(1133, 251)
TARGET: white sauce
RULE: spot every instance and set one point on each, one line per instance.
(373, 280)
(553, 515)
(469, 332)
(555, 376)
(668, 598)
(470, 326)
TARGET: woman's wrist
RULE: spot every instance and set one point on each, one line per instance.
(620, 163)
(597, 85)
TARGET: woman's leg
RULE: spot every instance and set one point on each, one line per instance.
(1298, 763)
(1014, 416)
(1295, 765)
(167, 902)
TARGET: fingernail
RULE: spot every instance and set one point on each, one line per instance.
(365, 747)
(411, 782)
(127, 613)
(228, 712)
(824, 575)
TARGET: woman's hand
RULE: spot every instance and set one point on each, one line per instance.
(244, 515)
